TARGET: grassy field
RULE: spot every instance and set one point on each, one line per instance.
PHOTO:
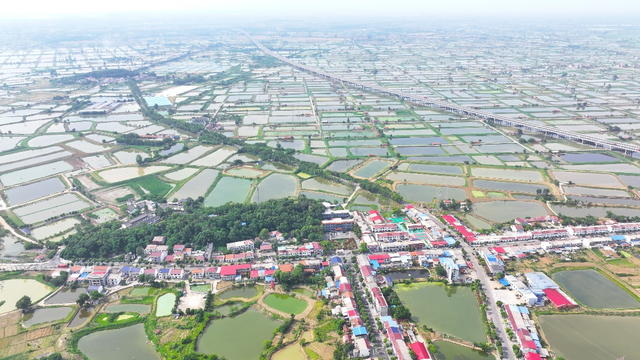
(151, 185)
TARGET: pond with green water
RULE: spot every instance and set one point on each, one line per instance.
(165, 304)
(594, 290)
(371, 168)
(449, 309)
(589, 337)
(450, 351)
(275, 186)
(246, 292)
(285, 303)
(125, 343)
(228, 189)
(503, 211)
(45, 315)
(237, 338)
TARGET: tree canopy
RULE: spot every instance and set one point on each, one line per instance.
(199, 225)
(23, 303)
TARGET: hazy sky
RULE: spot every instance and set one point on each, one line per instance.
(337, 8)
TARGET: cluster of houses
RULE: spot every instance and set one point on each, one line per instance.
(539, 289)
(157, 252)
(603, 233)
(95, 277)
(339, 288)
(414, 232)
(245, 251)
(451, 259)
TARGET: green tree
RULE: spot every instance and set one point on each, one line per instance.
(264, 234)
(23, 303)
(95, 295)
(82, 299)
(441, 271)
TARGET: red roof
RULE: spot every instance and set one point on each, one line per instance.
(438, 243)
(379, 256)
(232, 269)
(557, 299)
(532, 356)
(499, 250)
(420, 351)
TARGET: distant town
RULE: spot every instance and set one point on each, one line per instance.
(342, 192)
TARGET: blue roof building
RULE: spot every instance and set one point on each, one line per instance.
(360, 331)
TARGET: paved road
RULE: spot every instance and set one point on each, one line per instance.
(493, 312)
(377, 345)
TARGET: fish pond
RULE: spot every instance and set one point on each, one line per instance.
(276, 186)
(228, 189)
(165, 304)
(326, 185)
(81, 317)
(125, 343)
(594, 290)
(371, 168)
(409, 274)
(246, 292)
(502, 211)
(12, 290)
(449, 309)
(426, 193)
(589, 337)
(65, 296)
(45, 315)
(450, 351)
(220, 337)
(286, 303)
(11, 248)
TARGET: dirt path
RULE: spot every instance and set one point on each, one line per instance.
(4, 224)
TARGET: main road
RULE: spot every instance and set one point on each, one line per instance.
(494, 312)
(625, 148)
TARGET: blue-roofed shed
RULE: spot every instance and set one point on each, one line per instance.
(504, 282)
(618, 238)
(523, 310)
(336, 260)
(359, 331)
(375, 264)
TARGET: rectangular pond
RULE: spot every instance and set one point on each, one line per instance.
(228, 189)
(22, 194)
(594, 290)
(502, 211)
(371, 168)
(449, 309)
(196, 186)
(34, 173)
(589, 337)
(50, 207)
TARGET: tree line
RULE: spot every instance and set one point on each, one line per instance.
(200, 225)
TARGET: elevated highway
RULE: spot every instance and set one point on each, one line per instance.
(485, 116)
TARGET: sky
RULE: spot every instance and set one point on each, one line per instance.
(17, 9)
